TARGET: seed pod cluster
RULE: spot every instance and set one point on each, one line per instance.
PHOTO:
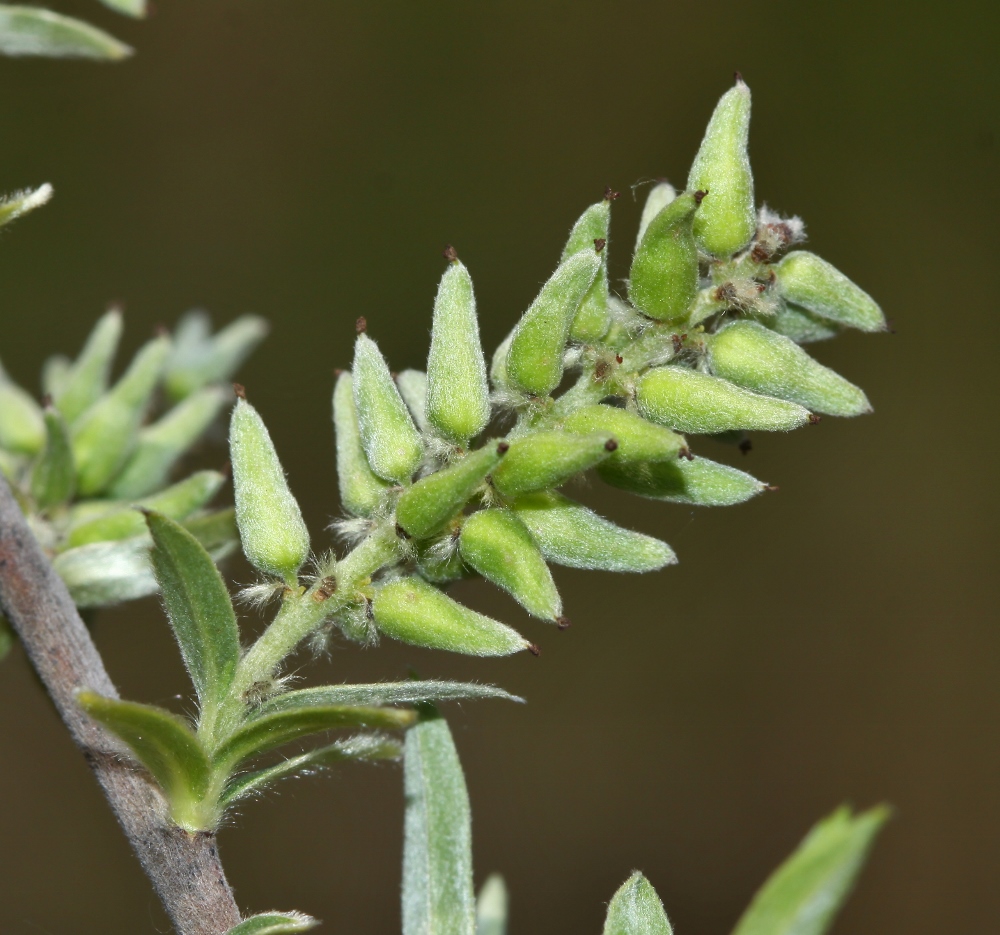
(709, 342)
(97, 448)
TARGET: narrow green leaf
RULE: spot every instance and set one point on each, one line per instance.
(636, 910)
(200, 612)
(88, 375)
(165, 745)
(199, 358)
(491, 907)
(281, 727)
(437, 851)
(53, 478)
(274, 923)
(366, 747)
(804, 894)
(17, 204)
(27, 30)
(136, 8)
(377, 694)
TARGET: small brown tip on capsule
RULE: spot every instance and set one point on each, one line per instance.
(361, 325)
(610, 194)
(402, 533)
(503, 448)
(227, 469)
(337, 371)
(619, 359)
(611, 445)
(47, 401)
(240, 390)
(745, 446)
(161, 330)
(450, 253)
(599, 244)
(737, 77)
(813, 418)
(772, 488)
(563, 623)
(686, 454)
(699, 196)
(533, 649)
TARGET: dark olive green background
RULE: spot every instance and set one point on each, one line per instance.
(836, 641)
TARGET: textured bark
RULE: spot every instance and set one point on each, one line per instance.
(184, 868)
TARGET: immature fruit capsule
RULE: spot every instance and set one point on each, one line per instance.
(548, 459)
(699, 482)
(209, 359)
(162, 444)
(664, 277)
(413, 611)
(53, 478)
(638, 439)
(593, 317)
(701, 404)
(362, 491)
(535, 356)
(87, 378)
(22, 425)
(427, 506)
(754, 356)
(819, 287)
(497, 545)
(274, 535)
(802, 326)
(412, 386)
(458, 396)
(569, 534)
(106, 434)
(727, 221)
(660, 195)
(389, 437)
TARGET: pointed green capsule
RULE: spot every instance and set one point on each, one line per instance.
(636, 910)
(498, 545)
(754, 356)
(660, 195)
(498, 363)
(412, 386)
(362, 491)
(88, 376)
(638, 439)
(413, 611)
(274, 535)
(663, 281)
(389, 437)
(427, 506)
(569, 534)
(701, 404)
(699, 482)
(535, 357)
(548, 459)
(106, 434)
(727, 221)
(162, 444)
(53, 478)
(458, 396)
(593, 317)
(177, 502)
(802, 326)
(199, 358)
(55, 374)
(807, 280)
(22, 424)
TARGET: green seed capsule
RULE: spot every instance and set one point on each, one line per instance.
(458, 396)
(106, 434)
(274, 535)
(439, 561)
(638, 440)
(413, 611)
(498, 364)
(88, 377)
(698, 403)
(548, 459)
(727, 221)
(56, 372)
(801, 326)
(22, 424)
(754, 356)
(497, 545)
(569, 534)
(389, 437)
(162, 444)
(593, 317)
(535, 357)
(427, 506)
(663, 281)
(412, 386)
(699, 482)
(660, 195)
(819, 287)
(176, 502)
(362, 491)
(53, 478)
(200, 359)
(10, 465)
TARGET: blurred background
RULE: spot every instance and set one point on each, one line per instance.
(836, 641)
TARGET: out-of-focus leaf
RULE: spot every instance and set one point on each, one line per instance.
(274, 923)
(636, 910)
(491, 907)
(136, 8)
(28, 30)
(13, 206)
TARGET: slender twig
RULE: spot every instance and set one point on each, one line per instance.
(184, 868)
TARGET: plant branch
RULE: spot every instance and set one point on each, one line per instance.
(184, 868)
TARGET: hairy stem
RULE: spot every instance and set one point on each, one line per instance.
(184, 868)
